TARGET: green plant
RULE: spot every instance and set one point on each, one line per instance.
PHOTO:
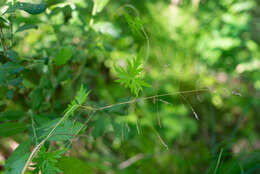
(131, 76)
(201, 58)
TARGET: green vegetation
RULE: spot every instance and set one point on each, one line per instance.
(151, 86)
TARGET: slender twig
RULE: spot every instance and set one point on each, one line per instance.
(140, 98)
(142, 28)
(37, 148)
(193, 111)
(130, 161)
(33, 128)
(219, 158)
(90, 108)
(86, 122)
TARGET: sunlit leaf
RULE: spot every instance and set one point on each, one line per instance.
(100, 4)
(131, 76)
(106, 28)
(64, 55)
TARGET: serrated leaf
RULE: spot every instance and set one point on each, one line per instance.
(16, 162)
(82, 95)
(79, 100)
(27, 27)
(28, 7)
(64, 55)
(134, 23)
(63, 132)
(11, 128)
(131, 76)
(46, 161)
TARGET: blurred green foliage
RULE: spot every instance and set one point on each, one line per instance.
(199, 58)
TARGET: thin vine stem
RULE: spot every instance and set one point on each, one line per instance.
(93, 110)
(143, 30)
(37, 148)
(87, 107)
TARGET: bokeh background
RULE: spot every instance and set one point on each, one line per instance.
(194, 44)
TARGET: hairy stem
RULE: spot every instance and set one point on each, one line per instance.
(141, 98)
(37, 148)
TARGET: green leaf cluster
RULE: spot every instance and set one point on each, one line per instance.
(46, 161)
(134, 23)
(80, 98)
(131, 76)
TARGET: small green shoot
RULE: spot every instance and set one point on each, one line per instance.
(131, 76)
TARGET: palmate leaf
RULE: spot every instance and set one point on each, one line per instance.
(131, 77)
(80, 98)
(46, 161)
(135, 24)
